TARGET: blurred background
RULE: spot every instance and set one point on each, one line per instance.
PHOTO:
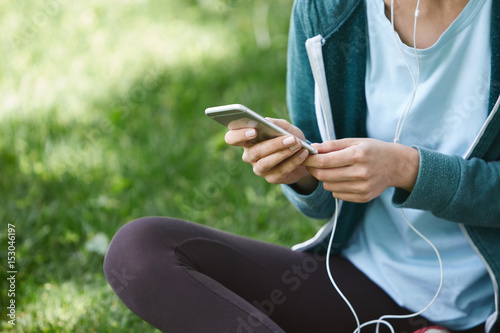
(102, 121)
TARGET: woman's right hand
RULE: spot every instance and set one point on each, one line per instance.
(278, 160)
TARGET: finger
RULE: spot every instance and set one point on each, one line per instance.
(361, 197)
(334, 159)
(351, 191)
(352, 197)
(335, 145)
(355, 190)
(271, 146)
(280, 164)
(292, 163)
(341, 174)
(240, 137)
(352, 187)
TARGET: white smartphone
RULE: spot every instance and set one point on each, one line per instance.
(235, 116)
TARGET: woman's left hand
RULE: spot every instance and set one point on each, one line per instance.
(360, 169)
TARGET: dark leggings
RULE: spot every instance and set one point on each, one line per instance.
(187, 278)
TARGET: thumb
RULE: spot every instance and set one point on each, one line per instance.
(335, 145)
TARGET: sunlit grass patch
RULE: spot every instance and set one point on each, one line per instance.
(101, 122)
(75, 306)
(64, 54)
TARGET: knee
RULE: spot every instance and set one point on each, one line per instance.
(135, 249)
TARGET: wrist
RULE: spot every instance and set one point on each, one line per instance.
(407, 168)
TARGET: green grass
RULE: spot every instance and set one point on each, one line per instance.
(101, 122)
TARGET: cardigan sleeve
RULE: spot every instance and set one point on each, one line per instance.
(319, 204)
(455, 189)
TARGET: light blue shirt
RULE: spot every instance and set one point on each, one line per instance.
(450, 106)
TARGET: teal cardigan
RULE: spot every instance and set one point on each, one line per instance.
(466, 191)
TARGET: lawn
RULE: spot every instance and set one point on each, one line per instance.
(101, 122)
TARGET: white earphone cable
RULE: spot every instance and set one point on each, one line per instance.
(406, 111)
(438, 256)
(383, 319)
(328, 252)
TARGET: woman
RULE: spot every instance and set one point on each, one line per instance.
(430, 144)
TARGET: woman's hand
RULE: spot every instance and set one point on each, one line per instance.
(278, 160)
(360, 169)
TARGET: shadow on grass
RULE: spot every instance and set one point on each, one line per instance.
(151, 151)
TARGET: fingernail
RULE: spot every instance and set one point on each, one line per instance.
(250, 133)
(252, 123)
(317, 145)
(304, 154)
(295, 147)
(289, 140)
